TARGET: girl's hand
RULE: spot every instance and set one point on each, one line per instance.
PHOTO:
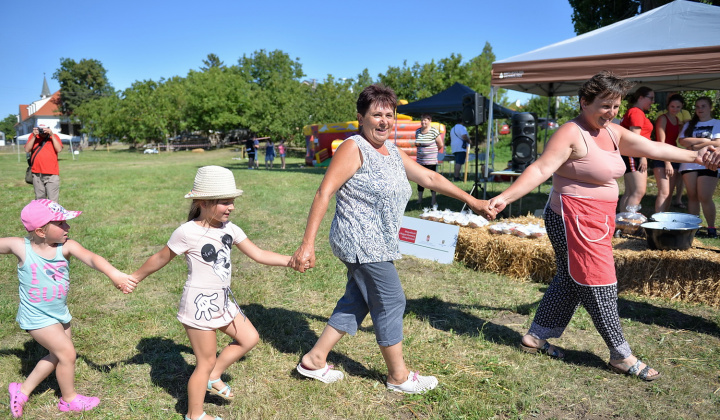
(709, 157)
(669, 170)
(123, 282)
(304, 258)
(643, 165)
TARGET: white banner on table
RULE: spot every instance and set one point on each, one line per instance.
(429, 240)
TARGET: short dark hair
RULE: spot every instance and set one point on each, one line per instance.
(425, 114)
(604, 84)
(376, 94)
(676, 97)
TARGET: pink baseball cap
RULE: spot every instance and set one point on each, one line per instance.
(39, 212)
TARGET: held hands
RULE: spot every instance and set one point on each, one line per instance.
(303, 258)
(497, 204)
(709, 157)
(483, 208)
(123, 282)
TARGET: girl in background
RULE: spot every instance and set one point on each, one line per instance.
(636, 167)
(702, 130)
(667, 174)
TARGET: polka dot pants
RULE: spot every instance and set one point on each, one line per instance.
(564, 295)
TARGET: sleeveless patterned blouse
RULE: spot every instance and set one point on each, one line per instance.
(370, 207)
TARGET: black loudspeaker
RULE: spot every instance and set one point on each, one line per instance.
(473, 109)
(524, 141)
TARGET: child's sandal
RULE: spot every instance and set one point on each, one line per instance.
(17, 399)
(202, 416)
(222, 393)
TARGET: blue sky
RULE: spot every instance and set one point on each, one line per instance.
(141, 40)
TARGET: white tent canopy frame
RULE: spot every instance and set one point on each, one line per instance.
(671, 48)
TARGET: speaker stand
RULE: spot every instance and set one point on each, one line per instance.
(477, 186)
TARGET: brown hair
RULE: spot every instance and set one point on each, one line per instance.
(424, 115)
(604, 84)
(376, 94)
(196, 208)
(641, 92)
(694, 120)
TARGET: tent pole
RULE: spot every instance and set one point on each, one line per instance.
(488, 142)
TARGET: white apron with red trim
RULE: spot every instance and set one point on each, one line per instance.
(589, 226)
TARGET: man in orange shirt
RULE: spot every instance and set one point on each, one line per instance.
(44, 146)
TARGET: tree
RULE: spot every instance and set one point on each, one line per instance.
(212, 60)
(7, 126)
(278, 108)
(589, 15)
(80, 82)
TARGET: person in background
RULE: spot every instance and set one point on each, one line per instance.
(368, 176)
(269, 153)
(700, 182)
(281, 153)
(429, 143)
(256, 146)
(44, 147)
(251, 153)
(459, 142)
(584, 159)
(683, 116)
(667, 174)
(636, 167)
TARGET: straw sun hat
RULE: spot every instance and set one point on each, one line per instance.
(213, 182)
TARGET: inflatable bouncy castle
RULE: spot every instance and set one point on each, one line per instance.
(321, 140)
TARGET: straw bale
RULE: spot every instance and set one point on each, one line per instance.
(692, 275)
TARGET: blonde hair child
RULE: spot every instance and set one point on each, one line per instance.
(44, 277)
(207, 303)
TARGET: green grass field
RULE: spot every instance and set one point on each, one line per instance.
(461, 325)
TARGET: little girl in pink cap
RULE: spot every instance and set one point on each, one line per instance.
(44, 277)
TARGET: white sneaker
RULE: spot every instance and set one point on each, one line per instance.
(415, 384)
(326, 374)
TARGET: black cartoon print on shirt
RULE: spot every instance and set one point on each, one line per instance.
(220, 259)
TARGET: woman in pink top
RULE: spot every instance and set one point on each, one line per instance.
(584, 156)
(636, 167)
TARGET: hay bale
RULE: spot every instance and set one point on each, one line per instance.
(198, 151)
(692, 275)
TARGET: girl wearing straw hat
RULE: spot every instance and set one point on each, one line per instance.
(207, 302)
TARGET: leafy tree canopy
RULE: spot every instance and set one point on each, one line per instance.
(80, 82)
(7, 126)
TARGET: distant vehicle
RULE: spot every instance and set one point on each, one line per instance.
(504, 129)
(551, 124)
(150, 151)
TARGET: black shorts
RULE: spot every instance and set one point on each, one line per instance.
(661, 164)
(701, 172)
(631, 163)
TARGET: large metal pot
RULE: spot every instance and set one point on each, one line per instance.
(670, 216)
(670, 235)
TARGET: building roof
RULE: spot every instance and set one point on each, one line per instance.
(47, 107)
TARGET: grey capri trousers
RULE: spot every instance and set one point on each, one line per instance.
(372, 288)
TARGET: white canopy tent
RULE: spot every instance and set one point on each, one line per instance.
(671, 48)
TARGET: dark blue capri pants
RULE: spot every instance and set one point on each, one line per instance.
(372, 288)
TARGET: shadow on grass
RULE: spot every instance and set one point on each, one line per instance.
(666, 317)
(168, 368)
(29, 356)
(455, 318)
(289, 332)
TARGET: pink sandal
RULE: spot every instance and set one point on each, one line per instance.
(79, 403)
(17, 399)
